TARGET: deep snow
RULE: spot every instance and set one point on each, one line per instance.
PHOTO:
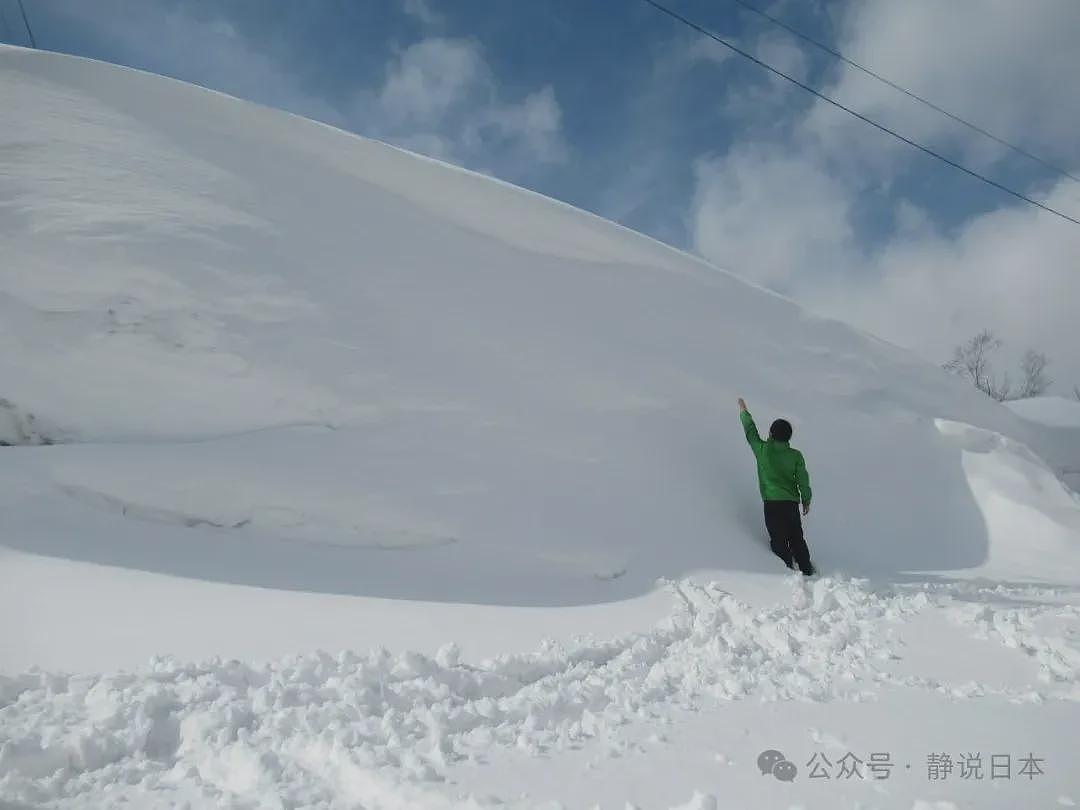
(312, 392)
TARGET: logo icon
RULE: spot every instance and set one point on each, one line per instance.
(774, 762)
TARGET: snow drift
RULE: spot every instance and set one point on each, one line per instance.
(287, 356)
(271, 387)
(324, 364)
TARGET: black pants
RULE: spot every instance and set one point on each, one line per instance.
(786, 534)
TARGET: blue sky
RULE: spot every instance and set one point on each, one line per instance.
(615, 108)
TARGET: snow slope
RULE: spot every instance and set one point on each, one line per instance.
(278, 388)
(1055, 412)
(1057, 439)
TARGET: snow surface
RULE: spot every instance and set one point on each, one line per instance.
(1058, 412)
(279, 389)
(1057, 434)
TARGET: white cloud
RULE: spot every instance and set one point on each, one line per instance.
(535, 124)
(701, 49)
(440, 97)
(770, 214)
(785, 213)
(1013, 270)
(1000, 64)
(784, 219)
(779, 51)
(422, 11)
(429, 78)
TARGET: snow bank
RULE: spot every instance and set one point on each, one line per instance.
(289, 358)
(1032, 519)
(272, 333)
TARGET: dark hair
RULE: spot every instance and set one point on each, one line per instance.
(780, 430)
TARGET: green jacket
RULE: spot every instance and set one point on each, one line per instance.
(781, 468)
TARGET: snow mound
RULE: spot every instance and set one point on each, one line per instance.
(292, 335)
(1020, 497)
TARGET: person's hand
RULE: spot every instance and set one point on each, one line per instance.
(806, 508)
(742, 404)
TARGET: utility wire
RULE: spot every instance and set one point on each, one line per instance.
(905, 91)
(26, 22)
(690, 23)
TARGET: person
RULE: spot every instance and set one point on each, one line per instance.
(784, 484)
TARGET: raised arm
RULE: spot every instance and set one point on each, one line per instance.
(749, 427)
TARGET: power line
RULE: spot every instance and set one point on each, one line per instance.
(675, 15)
(26, 22)
(905, 91)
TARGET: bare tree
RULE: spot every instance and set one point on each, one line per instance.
(18, 427)
(1076, 392)
(972, 360)
(1002, 391)
(1035, 382)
